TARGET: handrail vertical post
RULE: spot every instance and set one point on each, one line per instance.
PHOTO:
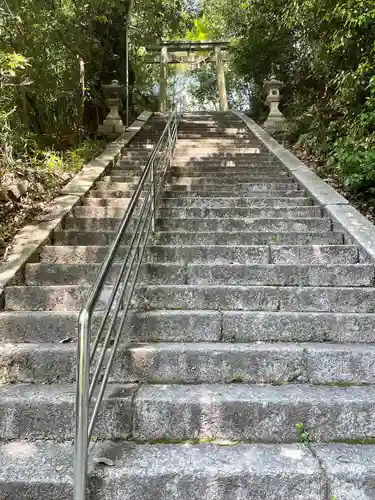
(153, 207)
(82, 407)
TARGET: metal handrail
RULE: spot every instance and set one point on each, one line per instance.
(109, 333)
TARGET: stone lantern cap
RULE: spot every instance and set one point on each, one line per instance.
(272, 84)
(113, 89)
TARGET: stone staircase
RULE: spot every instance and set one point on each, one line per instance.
(251, 369)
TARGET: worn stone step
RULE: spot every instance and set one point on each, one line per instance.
(46, 411)
(240, 212)
(228, 224)
(293, 192)
(39, 326)
(204, 132)
(178, 254)
(208, 274)
(106, 202)
(103, 211)
(218, 161)
(247, 326)
(285, 184)
(206, 170)
(239, 188)
(213, 254)
(200, 202)
(124, 177)
(206, 224)
(51, 298)
(249, 412)
(87, 238)
(173, 363)
(136, 163)
(79, 255)
(257, 298)
(232, 179)
(116, 186)
(247, 238)
(129, 169)
(239, 137)
(237, 471)
(196, 212)
(250, 156)
(58, 326)
(104, 193)
(229, 202)
(228, 148)
(209, 238)
(198, 326)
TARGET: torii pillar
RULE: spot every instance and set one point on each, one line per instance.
(163, 79)
(221, 79)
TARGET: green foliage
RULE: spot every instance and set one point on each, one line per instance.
(303, 433)
(324, 51)
(41, 45)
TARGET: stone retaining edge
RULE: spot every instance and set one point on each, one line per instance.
(338, 209)
(27, 241)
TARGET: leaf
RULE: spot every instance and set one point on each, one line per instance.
(66, 341)
(104, 461)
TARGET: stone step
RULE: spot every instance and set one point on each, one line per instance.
(78, 254)
(200, 202)
(240, 212)
(228, 202)
(110, 193)
(217, 171)
(131, 163)
(228, 224)
(194, 137)
(217, 212)
(82, 238)
(116, 186)
(212, 471)
(209, 274)
(292, 192)
(124, 177)
(108, 202)
(251, 154)
(207, 180)
(218, 297)
(247, 238)
(198, 326)
(207, 224)
(188, 363)
(218, 161)
(240, 188)
(52, 298)
(257, 298)
(213, 254)
(231, 412)
(250, 412)
(129, 169)
(238, 180)
(208, 238)
(40, 411)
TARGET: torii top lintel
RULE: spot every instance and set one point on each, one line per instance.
(187, 46)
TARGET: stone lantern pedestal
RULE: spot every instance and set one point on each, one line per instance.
(275, 119)
(112, 126)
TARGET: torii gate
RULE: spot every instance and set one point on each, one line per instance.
(167, 50)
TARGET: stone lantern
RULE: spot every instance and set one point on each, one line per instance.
(112, 126)
(275, 118)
